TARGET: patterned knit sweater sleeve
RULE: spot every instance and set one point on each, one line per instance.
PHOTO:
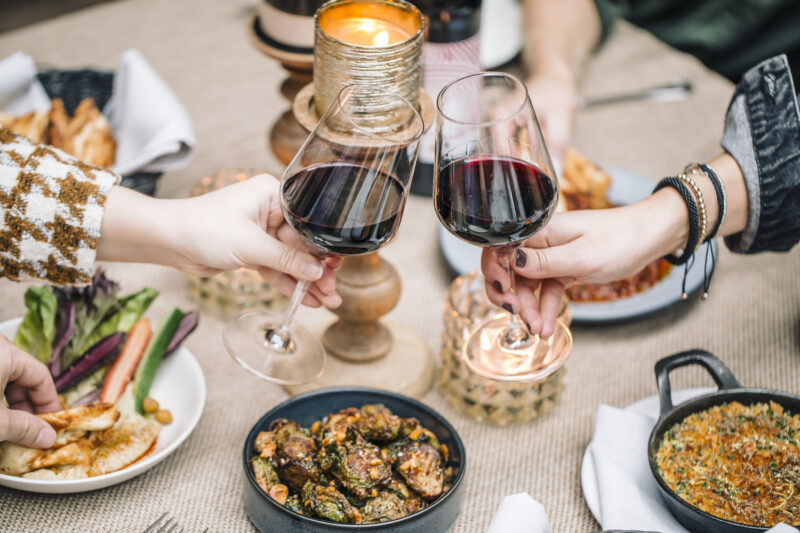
(52, 208)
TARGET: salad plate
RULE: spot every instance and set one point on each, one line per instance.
(179, 386)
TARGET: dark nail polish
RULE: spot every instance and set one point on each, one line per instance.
(497, 286)
(522, 259)
(509, 308)
(529, 328)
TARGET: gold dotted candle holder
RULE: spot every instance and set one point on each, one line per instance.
(484, 399)
(230, 292)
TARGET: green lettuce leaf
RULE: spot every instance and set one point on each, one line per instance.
(132, 307)
(38, 327)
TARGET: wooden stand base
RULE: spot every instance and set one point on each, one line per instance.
(407, 369)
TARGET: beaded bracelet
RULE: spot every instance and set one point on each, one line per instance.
(701, 206)
(719, 190)
(694, 219)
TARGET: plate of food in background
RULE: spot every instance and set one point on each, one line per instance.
(584, 185)
(130, 394)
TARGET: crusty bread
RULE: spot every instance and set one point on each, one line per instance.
(87, 135)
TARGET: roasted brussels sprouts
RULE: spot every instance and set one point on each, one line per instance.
(324, 501)
(356, 465)
(420, 464)
(296, 472)
(293, 503)
(265, 473)
(385, 506)
(291, 441)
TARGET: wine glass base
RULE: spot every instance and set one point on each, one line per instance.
(485, 354)
(247, 339)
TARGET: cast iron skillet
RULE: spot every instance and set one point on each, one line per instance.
(730, 390)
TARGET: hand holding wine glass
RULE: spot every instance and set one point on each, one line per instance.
(343, 194)
(495, 187)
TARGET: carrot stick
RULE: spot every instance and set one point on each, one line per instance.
(123, 369)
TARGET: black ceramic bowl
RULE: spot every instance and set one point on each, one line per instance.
(268, 516)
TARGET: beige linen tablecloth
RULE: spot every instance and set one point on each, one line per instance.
(232, 93)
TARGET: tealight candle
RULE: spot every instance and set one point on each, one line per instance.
(373, 42)
(363, 31)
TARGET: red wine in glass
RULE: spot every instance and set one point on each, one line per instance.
(343, 208)
(492, 200)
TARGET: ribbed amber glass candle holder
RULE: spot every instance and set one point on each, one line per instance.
(372, 42)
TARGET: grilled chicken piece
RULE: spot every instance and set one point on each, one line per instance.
(74, 453)
(123, 444)
(16, 460)
(62, 473)
(94, 417)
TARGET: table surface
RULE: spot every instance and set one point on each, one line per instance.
(232, 93)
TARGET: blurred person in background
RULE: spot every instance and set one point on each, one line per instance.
(728, 36)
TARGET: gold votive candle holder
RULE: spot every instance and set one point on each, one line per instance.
(482, 398)
(372, 42)
(230, 292)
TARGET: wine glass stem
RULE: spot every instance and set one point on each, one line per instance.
(279, 338)
(515, 336)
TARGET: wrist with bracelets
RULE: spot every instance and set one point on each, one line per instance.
(699, 232)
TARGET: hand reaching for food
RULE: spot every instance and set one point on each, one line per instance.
(28, 388)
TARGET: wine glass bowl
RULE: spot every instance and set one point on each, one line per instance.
(494, 187)
(343, 194)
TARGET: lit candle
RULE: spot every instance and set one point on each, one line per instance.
(372, 42)
(372, 24)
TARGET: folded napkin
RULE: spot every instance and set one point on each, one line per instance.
(152, 128)
(20, 91)
(154, 131)
(629, 497)
(519, 513)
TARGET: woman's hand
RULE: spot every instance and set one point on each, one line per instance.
(28, 388)
(592, 246)
(240, 225)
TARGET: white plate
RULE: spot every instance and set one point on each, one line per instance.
(626, 188)
(501, 32)
(648, 407)
(179, 386)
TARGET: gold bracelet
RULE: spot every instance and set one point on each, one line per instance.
(701, 205)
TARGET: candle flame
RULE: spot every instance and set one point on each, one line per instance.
(381, 38)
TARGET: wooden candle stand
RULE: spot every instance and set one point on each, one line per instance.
(365, 350)
(286, 135)
(362, 349)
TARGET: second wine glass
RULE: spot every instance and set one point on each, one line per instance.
(343, 194)
(494, 187)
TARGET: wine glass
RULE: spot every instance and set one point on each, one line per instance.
(494, 187)
(343, 194)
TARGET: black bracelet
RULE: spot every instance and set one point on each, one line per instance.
(694, 219)
(722, 201)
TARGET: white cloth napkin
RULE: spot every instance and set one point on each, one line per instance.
(629, 497)
(20, 91)
(152, 128)
(154, 131)
(519, 513)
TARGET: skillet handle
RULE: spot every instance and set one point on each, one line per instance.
(722, 376)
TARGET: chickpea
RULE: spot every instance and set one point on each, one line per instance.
(149, 405)
(163, 416)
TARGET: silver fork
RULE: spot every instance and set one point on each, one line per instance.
(171, 525)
